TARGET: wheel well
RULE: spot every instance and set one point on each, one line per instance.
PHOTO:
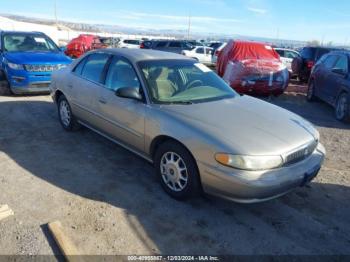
(58, 94)
(162, 139)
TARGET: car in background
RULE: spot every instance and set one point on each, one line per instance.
(287, 56)
(216, 53)
(129, 43)
(82, 44)
(27, 60)
(202, 54)
(302, 65)
(253, 68)
(179, 115)
(172, 46)
(330, 82)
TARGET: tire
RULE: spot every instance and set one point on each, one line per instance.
(296, 65)
(310, 96)
(342, 108)
(5, 89)
(65, 115)
(177, 171)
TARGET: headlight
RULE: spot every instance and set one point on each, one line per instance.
(15, 66)
(249, 162)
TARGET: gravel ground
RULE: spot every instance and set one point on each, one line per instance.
(109, 202)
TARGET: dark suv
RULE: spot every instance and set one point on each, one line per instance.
(173, 46)
(330, 82)
(301, 66)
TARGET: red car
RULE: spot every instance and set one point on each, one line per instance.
(253, 68)
(82, 44)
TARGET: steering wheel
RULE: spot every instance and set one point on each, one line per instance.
(193, 83)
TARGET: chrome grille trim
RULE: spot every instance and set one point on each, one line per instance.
(300, 153)
(43, 68)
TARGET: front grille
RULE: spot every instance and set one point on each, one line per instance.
(43, 68)
(301, 153)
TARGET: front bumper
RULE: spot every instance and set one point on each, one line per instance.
(258, 186)
(23, 82)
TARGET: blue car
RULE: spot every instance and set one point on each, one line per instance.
(27, 60)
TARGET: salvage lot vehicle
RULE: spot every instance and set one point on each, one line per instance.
(27, 61)
(153, 103)
(200, 53)
(172, 46)
(82, 44)
(129, 43)
(302, 65)
(329, 81)
(287, 56)
(252, 68)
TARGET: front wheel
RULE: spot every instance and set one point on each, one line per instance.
(342, 109)
(177, 171)
(65, 115)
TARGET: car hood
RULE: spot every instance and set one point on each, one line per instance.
(246, 125)
(37, 58)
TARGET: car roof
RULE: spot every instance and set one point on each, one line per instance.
(136, 55)
(22, 32)
(340, 52)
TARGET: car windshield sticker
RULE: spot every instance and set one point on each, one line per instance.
(39, 40)
(202, 67)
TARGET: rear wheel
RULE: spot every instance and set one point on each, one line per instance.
(65, 115)
(342, 109)
(177, 171)
(310, 96)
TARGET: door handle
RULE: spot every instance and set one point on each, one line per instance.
(102, 101)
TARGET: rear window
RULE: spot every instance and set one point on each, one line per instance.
(308, 53)
(132, 42)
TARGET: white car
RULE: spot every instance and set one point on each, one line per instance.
(201, 53)
(129, 43)
(216, 53)
(287, 56)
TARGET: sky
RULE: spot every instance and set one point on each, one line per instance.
(306, 20)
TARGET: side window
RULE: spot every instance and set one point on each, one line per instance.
(161, 44)
(290, 54)
(329, 61)
(280, 52)
(94, 67)
(342, 63)
(200, 50)
(79, 68)
(175, 44)
(121, 74)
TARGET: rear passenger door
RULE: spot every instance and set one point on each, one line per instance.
(86, 78)
(336, 81)
(322, 71)
(121, 118)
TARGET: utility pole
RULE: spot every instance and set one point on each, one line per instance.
(56, 20)
(189, 26)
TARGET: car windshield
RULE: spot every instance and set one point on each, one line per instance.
(28, 42)
(183, 81)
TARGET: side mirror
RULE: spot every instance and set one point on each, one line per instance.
(129, 92)
(339, 71)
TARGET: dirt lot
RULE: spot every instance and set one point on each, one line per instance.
(109, 202)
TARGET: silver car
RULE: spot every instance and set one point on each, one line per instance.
(199, 133)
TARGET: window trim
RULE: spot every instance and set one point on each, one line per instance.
(84, 60)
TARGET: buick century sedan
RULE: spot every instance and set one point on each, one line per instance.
(200, 134)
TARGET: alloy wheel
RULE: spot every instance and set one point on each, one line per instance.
(65, 113)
